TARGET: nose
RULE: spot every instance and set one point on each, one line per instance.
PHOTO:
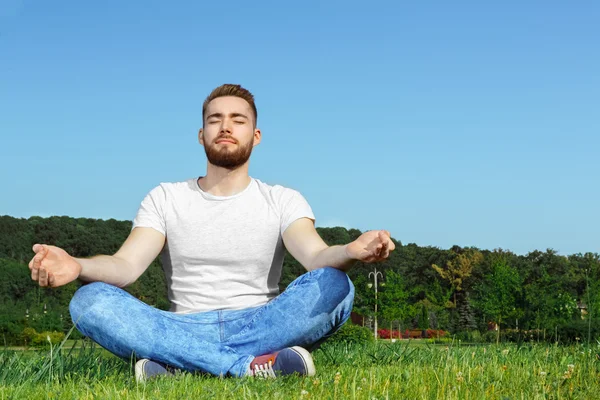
(226, 126)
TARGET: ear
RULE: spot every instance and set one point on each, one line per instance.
(257, 136)
(201, 137)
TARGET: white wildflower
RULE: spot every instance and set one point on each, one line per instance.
(459, 377)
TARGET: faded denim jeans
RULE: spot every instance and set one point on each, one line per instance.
(224, 342)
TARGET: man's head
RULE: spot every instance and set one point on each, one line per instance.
(229, 131)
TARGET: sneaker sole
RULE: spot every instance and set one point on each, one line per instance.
(307, 358)
(139, 370)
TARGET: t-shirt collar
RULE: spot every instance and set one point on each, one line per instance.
(212, 197)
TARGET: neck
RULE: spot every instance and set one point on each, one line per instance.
(224, 182)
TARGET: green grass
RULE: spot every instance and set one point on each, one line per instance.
(67, 345)
(380, 370)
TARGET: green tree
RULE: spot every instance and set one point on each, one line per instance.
(364, 298)
(438, 303)
(456, 271)
(466, 315)
(423, 317)
(459, 269)
(588, 268)
(550, 291)
(498, 293)
(394, 305)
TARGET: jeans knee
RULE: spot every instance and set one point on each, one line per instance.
(85, 298)
(337, 284)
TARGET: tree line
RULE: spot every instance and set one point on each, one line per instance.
(461, 289)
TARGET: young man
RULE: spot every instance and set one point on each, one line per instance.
(221, 238)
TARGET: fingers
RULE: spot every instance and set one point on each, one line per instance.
(41, 252)
(385, 240)
(43, 277)
(383, 250)
(385, 253)
(38, 273)
(39, 265)
(34, 272)
(377, 246)
(51, 280)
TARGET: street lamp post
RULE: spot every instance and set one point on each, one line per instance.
(374, 274)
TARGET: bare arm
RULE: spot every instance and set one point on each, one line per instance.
(126, 265)
(304, 243)
(52, 266)
(333, 256)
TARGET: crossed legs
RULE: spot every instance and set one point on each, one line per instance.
(311, 308)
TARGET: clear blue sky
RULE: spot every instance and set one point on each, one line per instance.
(446, 123)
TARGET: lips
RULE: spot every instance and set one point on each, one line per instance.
(226, 141)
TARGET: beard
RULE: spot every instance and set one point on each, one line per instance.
(229, 159)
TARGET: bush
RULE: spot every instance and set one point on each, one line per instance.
(469, 336)
(28, 334)
(42, 339)
(489, 337)
(351, 333)
(388, 334)
(577, 331)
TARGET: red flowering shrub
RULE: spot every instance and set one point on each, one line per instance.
(432, 333)
(388, 334)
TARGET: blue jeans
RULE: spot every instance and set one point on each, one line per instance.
(224, 342)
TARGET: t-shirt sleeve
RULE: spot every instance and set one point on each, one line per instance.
(294, 207)
(151, 212)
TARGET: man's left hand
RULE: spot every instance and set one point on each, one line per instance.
(371, 246)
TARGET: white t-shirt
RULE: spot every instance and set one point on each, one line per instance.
(221, 252)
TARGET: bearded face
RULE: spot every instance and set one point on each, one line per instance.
(228, 155)
(228, 134)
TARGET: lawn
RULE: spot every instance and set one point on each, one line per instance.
(382, 370)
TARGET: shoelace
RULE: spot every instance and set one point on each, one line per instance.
(264, 370)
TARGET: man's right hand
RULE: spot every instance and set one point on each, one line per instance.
(52, 266)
